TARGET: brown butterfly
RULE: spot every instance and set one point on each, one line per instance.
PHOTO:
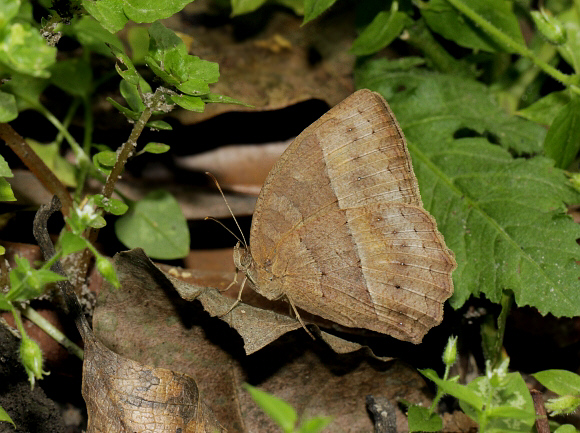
(339, 229)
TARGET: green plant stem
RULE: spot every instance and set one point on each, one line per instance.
(518, 88)
(420, 37)
(72, 109)
(36, 165)
(439, 392)
(506, 305)
(51, 330)
(514, 46)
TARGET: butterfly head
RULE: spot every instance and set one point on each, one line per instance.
(244, 261)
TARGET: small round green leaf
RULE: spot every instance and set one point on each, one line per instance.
(156, 224)
(156, 148)
(106, 158)
(71, 243)
(8, 108)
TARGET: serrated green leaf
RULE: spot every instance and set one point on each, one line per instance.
(156, 148)
(71, 243)
(313, 8)
(444, 19)
(8, 10)
(5, 417)
(420, 419)
(191, 103)
(156, 224)
(6, 193)
(159, 124)
(561, 382)
(281, 412)
(240, 7)
(461, 392)
(50, 154)
(8, 108)
(93, 35)
(23, 49)
(544, 110)
(383, 30)
(74, 76)
(4, 168)
(563, 139)
(314, 425)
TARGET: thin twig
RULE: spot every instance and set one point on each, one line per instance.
(36, 165)
(542, 424)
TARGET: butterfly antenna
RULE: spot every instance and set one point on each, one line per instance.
(222, 224)
(230, 209)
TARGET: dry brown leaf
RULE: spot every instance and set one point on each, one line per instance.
(148, 322)
(312, 63)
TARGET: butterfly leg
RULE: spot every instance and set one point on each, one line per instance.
(232, 283)
(235, 304)
(298, 317)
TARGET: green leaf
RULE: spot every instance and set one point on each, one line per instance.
(163, 40)
(6, 193)
(94, 36)
(421, 420)
(4, 305)
(50, 154)
(8, 108)
(383, 30)
(191, 103)
(189, 68)
(194, 87)
(159, 124)
(23, 49)
(566, 428)
(8, 10)
(544, 110)
(74, 76)
(26, 89)
(112, 205)
(240, 7)
(131, 94)
(563, 139)
(114, 14)
(476, 191)
(513, 393)
(71, 243)
(570, 51)
(561, 382)
(130, 114)
(28, 283)
(214, 97)
(314, 425)
(156, 224)
(154, 66)
(313, 8)
(461, 392)
(156, 148)
(444, 19)
(277, 409)
(138, 38)
(106, 158)
(127, 71)
(4, 169)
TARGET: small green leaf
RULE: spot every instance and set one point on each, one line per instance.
(313, 8)
(112, 205)
(214, 97)
(444, 19)
(108, 158)
(544, 110)
(277, 409)
(131, 94)
(163, 40)
(94, 36)
(8, 10)
(194, 87)
(191, 103)
(156, 148)
(26, 89)
(508, 412)
(150, 61)
(130, 114)
(109, 13)
(4, 304)
(570, 51)
(420, 419)
(549, 27)
(124, 66)
(2, 250)
(561, 382)
(6, 193)
(314, 425)
(566, 428)
(562, 141)
(28, 283)
(71, 243)
(383, 30)
(23, 49)
(458, 391)
(74, 76)
(50, 154)
(159, 124)
(5, 417)
(138, 38)
(8, 108)
(156, 224)
(240, 7)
